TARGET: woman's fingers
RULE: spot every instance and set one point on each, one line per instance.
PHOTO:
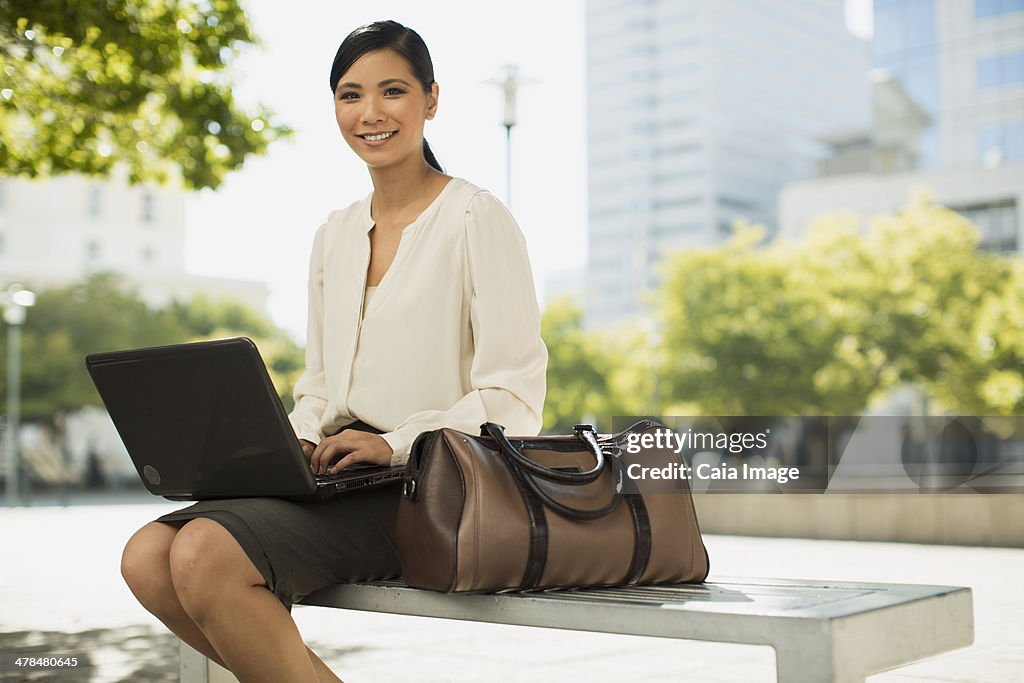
(348, 448)
(326, 451)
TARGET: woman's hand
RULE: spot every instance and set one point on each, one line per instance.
(351, 446)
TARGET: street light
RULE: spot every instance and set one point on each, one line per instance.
(15, 300)
(509, 82)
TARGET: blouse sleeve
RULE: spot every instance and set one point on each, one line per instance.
(311, 387)
(509, 363)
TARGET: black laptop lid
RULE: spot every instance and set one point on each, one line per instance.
(201, 420)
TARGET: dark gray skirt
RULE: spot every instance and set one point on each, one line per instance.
(302, 547)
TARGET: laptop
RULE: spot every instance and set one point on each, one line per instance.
(203, 421)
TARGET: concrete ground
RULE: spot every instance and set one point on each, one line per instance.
(61, 593)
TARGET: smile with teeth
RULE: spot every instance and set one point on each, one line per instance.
(377, 137)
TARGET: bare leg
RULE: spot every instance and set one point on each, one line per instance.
(227, 598)
(145, 566)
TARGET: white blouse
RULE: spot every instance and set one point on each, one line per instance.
(450, 338)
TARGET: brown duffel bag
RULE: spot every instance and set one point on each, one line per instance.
(488, 513)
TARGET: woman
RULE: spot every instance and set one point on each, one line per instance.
(422, 314)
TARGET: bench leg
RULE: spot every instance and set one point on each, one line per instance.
(194, 667)
(796, 663)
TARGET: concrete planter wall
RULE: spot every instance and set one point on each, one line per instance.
(954, 519)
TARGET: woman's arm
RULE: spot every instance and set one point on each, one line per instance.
(311, 387)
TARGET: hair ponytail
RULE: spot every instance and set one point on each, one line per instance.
(429, 156)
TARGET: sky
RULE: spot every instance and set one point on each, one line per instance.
(259, 224)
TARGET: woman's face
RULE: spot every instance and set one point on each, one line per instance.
(381, 108)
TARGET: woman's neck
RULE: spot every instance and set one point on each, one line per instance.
(398, 189)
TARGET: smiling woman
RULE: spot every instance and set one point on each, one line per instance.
(383, 48)
(371, 117)
(422, 315)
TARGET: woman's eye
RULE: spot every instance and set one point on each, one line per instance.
(348, 96)
(394, 91)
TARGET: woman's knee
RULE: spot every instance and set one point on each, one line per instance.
(205, 559)
(145, 563)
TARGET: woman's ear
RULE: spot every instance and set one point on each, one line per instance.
(432, 101)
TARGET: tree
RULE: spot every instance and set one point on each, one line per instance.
(991, 382)
(67, 323)
(748, 333)
(823, 325)
(103, 314)
(592, 376)
(89, 85)
(206, 319)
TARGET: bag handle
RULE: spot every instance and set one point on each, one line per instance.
(571, 512)
(585, 433)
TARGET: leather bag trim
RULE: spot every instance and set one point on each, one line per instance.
(538, 557)
(642, 537)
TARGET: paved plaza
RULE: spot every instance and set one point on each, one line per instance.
(60, 592)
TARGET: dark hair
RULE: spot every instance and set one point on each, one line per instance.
(388, 35)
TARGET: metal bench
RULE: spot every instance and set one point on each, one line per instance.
(821, 630)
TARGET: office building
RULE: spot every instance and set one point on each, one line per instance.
(60, 230)
(957, 131)
(697, 114)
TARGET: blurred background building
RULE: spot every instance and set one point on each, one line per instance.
(948, 117)
(698, 113)
(58, 231)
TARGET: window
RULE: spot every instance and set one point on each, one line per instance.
(2, 243)
(95, 201)
(901, 26)
(148, 255)
(676, 202)
(999, 143)
(988, 8)
(888, 29)
(997, 222)
(92, 250)
(147, 207)
(737, 203)
(920, 23)
(1000, 70)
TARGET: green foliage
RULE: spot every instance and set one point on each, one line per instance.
(592, 376)
(206, 319)
(824, 325)
(576, 381)
(143, 82)
(67, 323)
(991, 380)
(103, 314)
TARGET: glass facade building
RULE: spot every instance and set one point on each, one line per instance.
(698, 113)
(963, 63)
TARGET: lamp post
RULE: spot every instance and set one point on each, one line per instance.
(15, 300)
(509, 82)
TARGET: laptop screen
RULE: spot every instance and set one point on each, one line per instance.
(201, 420)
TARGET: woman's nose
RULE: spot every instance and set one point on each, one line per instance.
(372, 111)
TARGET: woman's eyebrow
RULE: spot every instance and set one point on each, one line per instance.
(385, 82)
